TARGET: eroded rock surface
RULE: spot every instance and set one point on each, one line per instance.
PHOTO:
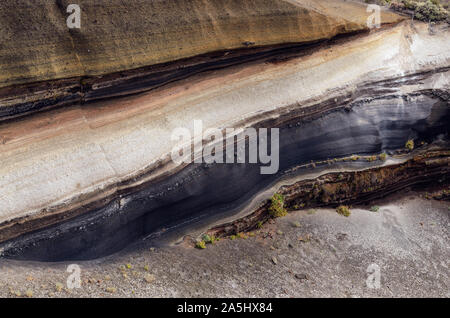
(117, 37)
(325, 255)
(87, 179)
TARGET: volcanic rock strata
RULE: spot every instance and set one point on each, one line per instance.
(87, 179)
(124, 48)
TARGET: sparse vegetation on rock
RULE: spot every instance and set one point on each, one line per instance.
(111, 290)
(242, 236)
(423, 10)
(343, 210)
(277, 208)
(428, 10)
(59, 287)
(200, 245)
(207, 239)
(410, 145)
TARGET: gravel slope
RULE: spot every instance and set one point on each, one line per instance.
(318, 254)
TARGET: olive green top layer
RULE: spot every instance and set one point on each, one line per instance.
(37, 45)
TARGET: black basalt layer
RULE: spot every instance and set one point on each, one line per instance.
(201, 193)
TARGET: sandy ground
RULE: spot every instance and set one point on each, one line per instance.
(311, 253)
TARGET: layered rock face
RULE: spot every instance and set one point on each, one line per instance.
(92, 173)
(118, 36)
(64, 66)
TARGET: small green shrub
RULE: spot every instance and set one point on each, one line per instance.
(410, 145)
(209, 239)
(429, 10)
(277, 208)
(375, 208)
(201, 245)
(242, 236)
(206, 238)
(343, 210)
